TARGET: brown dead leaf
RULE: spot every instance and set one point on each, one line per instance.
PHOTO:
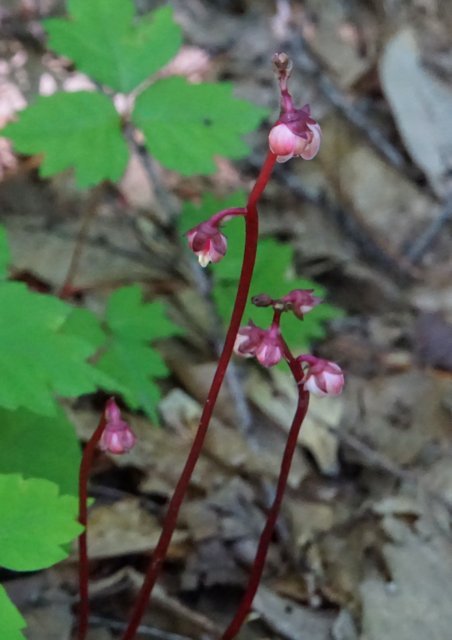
(414, 606)
(51, 622)
(277, 400)
(125, 527)
(290, 620)
(398, 415)
(422, 105)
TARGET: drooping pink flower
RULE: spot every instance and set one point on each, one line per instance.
(322, 377)
(263, 344)
(117, 436)
(301, 301)
(248, 340)
(207, 242)
(269, 352)
(296, 134)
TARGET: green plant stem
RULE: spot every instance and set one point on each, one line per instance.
(169, 523)
(267, 533)
(85, 468)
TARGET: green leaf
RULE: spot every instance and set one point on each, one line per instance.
(130, 318)
(104, 42)
(79, 130)
(84, 324)
(38, 358)
(128, 358)
(11, 621)
(4, 253)
(36, 523)
(135, 366)
(186, 125)
(40, 447)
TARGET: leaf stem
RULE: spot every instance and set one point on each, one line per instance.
(85, 468)
(169, 523)
(267, 533)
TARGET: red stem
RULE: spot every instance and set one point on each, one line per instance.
(267, 533)
(169, 523)
(85, 468)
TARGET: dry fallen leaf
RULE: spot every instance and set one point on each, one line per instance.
(414, 606)
(421, 104)
(125, 527)
(290, 620)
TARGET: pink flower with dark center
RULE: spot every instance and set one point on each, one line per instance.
(322, 377)
(301, 301)
(295, 134)
(117, 436)
(207, 242)
(263, 344)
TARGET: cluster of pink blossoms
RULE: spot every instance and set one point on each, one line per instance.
(295, 133)
(320, 377)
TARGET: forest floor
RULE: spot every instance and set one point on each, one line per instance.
(363, 545)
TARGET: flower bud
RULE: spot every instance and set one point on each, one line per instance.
(117, 436)
(262, 300)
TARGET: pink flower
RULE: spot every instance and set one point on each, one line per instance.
(248, 340)
(263, 344)
(207, 242)
(117, 436)
(296, 134)
(322, 378)
(301, 301)
(286, 144)
(269, 352)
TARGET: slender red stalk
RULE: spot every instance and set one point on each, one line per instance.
(85, 468)
(169, 523)
(267, 533)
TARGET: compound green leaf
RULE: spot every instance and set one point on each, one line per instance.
(38, 358)
(131, 318)
(11, 621)
(104, 41)
(187, 125)
(136, 367)
(37, 523)
(40, 447)
(79, 130)
(129, 357)
(4, 253)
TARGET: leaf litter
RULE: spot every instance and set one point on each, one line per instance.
(363, 543)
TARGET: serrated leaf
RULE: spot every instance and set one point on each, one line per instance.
(84, 324)
(129, 357)
(135, 366)
(104, 41)
(4, 253)
(36, 523)
(11, 620)
(129, 317)
(80, 131)
(38, 358)
(40, 447)
(186, 125)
